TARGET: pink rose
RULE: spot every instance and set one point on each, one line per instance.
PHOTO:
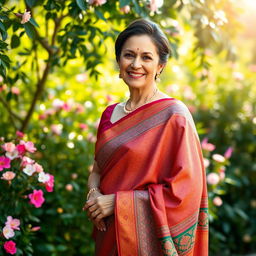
(207, 146)
(37, 198)
(15, 90)
(228, 152)
(50, 184)
(9, 147)
(38, 167)
(4, 163)
(97, 2)
(21, 149)
(8, 232)
(13, 223)
(206, 162)
(29, 145)
(126, 9)
(10, 247)
(25, 17)
(26, 160)
(217, 201)
(8, 175)
(83, 126)
(218, 158)
(213, 178)
(20, 134)
(69, 187)
(36, 228)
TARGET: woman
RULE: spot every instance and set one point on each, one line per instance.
(147, 191)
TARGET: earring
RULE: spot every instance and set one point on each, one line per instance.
(157, 77)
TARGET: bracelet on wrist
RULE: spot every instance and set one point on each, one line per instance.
(90, 191)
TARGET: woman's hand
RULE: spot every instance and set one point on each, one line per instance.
(100, 207)
(98, 223)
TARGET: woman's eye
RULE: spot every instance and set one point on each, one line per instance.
(147, 58)
(128, 55)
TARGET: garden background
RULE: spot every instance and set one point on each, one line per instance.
(57, 75)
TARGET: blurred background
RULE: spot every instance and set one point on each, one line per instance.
(58, 73)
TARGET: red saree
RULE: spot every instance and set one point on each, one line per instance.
(151, 160)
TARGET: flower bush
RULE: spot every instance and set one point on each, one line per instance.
(22, 185)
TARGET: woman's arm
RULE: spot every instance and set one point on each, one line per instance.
(94, 177)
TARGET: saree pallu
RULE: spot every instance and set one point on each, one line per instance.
(151, 159)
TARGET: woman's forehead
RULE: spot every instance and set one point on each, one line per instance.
(140, 43)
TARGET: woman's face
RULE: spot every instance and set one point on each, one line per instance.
(139, 61)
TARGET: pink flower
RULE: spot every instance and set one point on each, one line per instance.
(13, 223)
(20, 134)
(66, 106)
(15, 90)
(79, 108)
(4, 162)
(25, 17)
(218, 158)
(206, 162)
(29, 169)
(50, 184)
(38, 167)
(125, 9)
(37, 198)
(12, 155)
(97, 2)
(21, 149)
(57, 104)
(43, 177)
(26, 160)
(217, 201)
(9, 147)
(83, 126)
(207, 146)
(228, 152)
(155, 4)
(8, 175)
(213, 178)
(56, 128)
(8, 232)
(69, 187)
(36, 228)
(10, 247)
(29, 145)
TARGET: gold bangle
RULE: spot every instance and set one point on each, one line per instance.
(90, 191)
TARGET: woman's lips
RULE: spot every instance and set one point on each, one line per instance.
(135, 75)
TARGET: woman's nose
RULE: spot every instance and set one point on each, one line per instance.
(136, 63)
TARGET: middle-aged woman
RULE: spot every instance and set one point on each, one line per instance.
(147, 191)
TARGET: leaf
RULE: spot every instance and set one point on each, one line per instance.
(33, 22)
(124, 3)
(31, 3)
(15, 41)
(100, 15)
(2, 27)
(29, 30)
(4, 35)
(81, 4)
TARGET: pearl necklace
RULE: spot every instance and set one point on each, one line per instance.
(129, 111)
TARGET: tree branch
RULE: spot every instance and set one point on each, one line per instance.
(9, 109)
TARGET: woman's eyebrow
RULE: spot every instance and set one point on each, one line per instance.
(135, 52)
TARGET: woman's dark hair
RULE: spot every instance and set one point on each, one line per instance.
(144, 27)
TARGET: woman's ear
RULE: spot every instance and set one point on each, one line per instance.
(160, 68)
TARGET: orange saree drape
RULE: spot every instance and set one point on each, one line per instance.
(151, 160)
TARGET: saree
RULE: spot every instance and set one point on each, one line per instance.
(151, 159)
